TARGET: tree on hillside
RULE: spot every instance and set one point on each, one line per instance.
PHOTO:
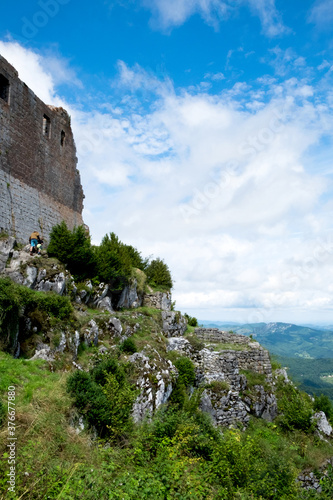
(158, 274)
(74, 249)
(115, 261)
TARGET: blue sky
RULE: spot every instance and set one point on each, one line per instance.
(204, 136)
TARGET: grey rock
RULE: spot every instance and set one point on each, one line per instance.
(322, 424)
(6, 250)
(114, 327)
(158, 300)
(174, 324)
(55, 284)
(179, 344)
(43, 351)
(129, 297)
(31, 277)
(91, 333)
(62, 344)
(154, 382)
(282, 372)
(105, 304)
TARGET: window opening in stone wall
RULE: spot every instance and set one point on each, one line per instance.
(46, 126)
(4, 88)
(62, 138)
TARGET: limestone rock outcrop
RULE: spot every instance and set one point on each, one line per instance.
(158, 300)
(174, 324)
(130, 296)
(322, 424)
(154, 381)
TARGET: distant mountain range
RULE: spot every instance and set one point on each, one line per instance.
(284, 339)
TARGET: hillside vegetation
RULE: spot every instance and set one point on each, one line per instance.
(77, 437)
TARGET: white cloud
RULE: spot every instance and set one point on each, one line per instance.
(271, 20)
(222, 193)
(215, 76)
(321, 13)
(169, 13)
(32, 71)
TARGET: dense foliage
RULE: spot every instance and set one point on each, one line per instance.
(158, 274)
(111, 262)
(74, 249)
(296, 409)
(128, 346)
(191, 320)
(115, 260)
(105, 398)
(186, 377)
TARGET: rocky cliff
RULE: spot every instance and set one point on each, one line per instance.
(233, 372)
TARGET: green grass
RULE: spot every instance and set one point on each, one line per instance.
(254, 378)
(220, 346)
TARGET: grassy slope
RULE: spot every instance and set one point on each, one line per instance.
(190, 461)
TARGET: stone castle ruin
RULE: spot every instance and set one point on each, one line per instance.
(39, 182)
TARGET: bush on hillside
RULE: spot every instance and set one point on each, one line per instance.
(128, 346)
(74, 249)
(191, 321)
(14, 297)
(296, 409)
(111, 262)
(115, 261)
(186, 378)
(158, 274)
(105, 398)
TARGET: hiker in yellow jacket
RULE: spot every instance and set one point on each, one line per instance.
(35, 243)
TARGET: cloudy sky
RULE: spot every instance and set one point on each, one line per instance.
(204, 137)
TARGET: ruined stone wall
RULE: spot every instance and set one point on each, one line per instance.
(216, 335)
(253, 357)
(158, 300)
(39, 182)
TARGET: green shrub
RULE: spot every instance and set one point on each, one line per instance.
(186, 378)
(128, 346)
(186, 371)
(73, 248)
(115, 261)
(296, 408)
(158, 274)
(104, 397)
(327, 483)
(191, 321)
(120, 397)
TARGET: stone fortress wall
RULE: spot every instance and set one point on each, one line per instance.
(253, 357)
(39, 183)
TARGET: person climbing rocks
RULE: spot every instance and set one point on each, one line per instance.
(35, 243)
